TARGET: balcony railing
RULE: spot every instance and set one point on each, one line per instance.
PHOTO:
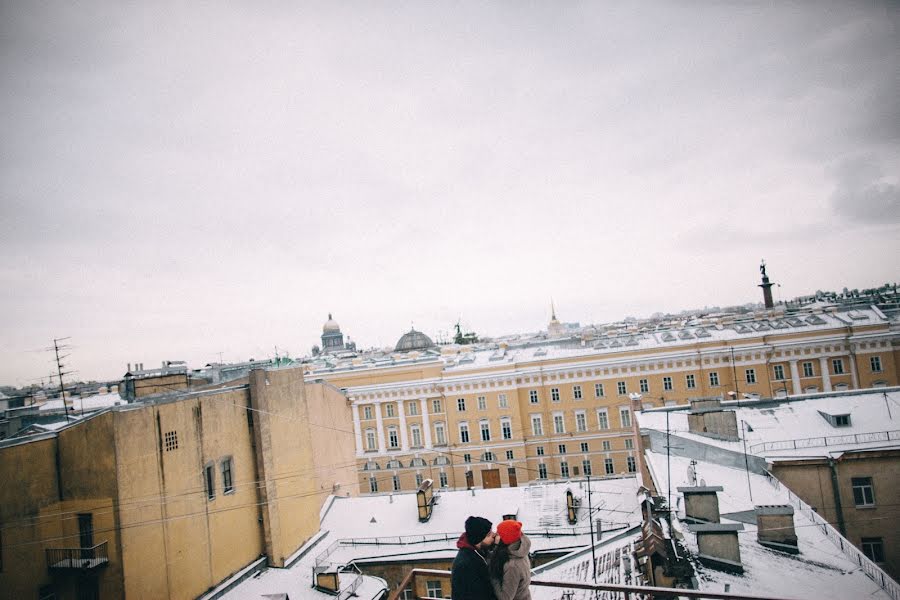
(612, 591)
(78, 558)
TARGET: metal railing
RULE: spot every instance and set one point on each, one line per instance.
(78, 558)
(403, 540)
(829, 440)
(626, 592)
(868, 567)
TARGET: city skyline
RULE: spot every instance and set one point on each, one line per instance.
(176, 184)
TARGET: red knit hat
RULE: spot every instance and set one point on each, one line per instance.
(510, 532)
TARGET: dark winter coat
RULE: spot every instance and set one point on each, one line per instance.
(469, 575)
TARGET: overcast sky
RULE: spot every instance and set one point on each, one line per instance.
(183, 179)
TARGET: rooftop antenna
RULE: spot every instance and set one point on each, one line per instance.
(62, 390)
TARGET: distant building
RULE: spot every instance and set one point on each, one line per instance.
(169, 498)
(333, 339)
(526, 408)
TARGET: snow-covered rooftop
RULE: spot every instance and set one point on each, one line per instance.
(800, 426)
(613, 339)
(78, 404)
(386, 527)
(820, 570)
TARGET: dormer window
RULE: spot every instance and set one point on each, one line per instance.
(836, 420)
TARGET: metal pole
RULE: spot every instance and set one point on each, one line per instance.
(668, 469)
(746, 459)
(591, 523)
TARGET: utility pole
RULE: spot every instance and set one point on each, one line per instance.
(746, 459)
(59, 366)
(591, 524)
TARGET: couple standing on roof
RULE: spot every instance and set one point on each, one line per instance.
(489, 565)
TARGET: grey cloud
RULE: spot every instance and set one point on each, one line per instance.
(863, 195)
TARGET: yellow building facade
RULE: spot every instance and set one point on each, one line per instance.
(509, 412)
(167, 499)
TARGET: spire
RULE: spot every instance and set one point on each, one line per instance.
(329, 316)
(552, 310)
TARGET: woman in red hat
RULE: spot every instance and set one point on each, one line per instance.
(510, 564)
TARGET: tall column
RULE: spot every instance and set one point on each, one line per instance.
(379, 423)
(854, 379)
(795, 378)
(401, 412)
(826, 376)
(357, 430)
(426, 422)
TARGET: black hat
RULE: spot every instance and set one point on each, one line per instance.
(476, 529)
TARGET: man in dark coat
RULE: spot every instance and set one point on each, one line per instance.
(470, 579)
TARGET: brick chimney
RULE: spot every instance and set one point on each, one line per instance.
(775, 527)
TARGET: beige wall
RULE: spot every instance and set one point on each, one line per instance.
(812, 481)
(168, 537)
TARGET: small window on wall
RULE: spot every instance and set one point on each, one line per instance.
(227, 484)
(837, 366)
(171, 441)
(436, 406)
(210, 473)
(873, 548)
(389, 410)
(502, 401)
(875, 363)
(412, 407)
(542, 471)
(576, 392)
(367, 412)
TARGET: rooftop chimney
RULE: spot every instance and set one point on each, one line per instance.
(775, 527)
(701, 503)
(707, 418)
(718, 545)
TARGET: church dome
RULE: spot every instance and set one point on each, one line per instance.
(413, 340)
(330, 325)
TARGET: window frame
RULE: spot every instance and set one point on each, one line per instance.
(863, 492)
(484, 427)
(750, 375)
(714, 379)
(599, 392)
(537, 425)
(227, 468)
(690, 382)
(668, 383)
(463, 430)
(808, 370)
(577, 394)
(602, 419)
(621, 388)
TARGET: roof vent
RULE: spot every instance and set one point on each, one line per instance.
(775, 527)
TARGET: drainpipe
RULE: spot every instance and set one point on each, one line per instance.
(839, 513)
